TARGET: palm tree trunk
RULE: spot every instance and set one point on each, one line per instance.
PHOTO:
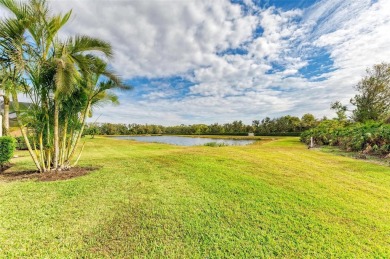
(63, 151)
(23, 130)
(69, 145)
(79, 133)
(48, 140)
(56, 134)
(78, 157)
(6, 115)
(42, 152)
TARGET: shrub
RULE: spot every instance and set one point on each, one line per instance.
(371, 137)
(7, 147)
(20, 143)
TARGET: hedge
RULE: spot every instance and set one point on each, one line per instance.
(7, 147)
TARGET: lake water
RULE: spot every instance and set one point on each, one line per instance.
(186, 141)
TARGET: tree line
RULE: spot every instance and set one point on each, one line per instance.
(285, 125)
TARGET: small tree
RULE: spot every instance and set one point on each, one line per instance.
(7, 147)
(340, 110)
(373, 100)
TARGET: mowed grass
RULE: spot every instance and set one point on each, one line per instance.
(271, 199)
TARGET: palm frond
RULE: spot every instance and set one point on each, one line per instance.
(86, 44)
(105, 97)
(19, 9)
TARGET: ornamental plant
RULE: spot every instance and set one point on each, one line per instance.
(7, 147)
(64, 79)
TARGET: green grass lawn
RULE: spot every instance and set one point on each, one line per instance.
(276, 199)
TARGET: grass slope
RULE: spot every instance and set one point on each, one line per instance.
(155, 200)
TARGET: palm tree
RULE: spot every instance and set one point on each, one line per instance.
(56, 72)
(96, 83)
(12, 62)
(15, 52)
(70, 59)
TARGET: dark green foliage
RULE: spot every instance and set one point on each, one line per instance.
(370, 137)
(20, 143)
(7, 147)
(284, 124)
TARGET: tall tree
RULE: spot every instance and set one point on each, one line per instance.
(373, 100)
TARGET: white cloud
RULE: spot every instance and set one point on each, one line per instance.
(362, 39)
(189, 38)
(162, 38)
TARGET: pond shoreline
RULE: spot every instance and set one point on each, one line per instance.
(188, 140)
(234, 137)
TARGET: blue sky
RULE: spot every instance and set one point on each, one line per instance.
(201, 61)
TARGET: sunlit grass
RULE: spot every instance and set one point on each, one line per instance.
(267, 199)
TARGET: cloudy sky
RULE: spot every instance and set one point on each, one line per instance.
(195, 61)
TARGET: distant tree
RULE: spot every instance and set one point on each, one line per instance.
(373, 100)
(109, 129)
(287, 124)
(295, 124)
(92, 130)
(249, 128)
(216, 129)
(266, 125)
(256, 125)
(238, 127)
(198, 129)
(340, 110)
(308, 121)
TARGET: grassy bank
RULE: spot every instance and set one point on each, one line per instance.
(274, 198)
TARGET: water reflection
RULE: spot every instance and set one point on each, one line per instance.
(186, 141)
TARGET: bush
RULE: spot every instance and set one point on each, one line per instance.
(371, 137)
(20, 143)
(7, 147)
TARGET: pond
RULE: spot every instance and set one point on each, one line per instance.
(186, 141)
